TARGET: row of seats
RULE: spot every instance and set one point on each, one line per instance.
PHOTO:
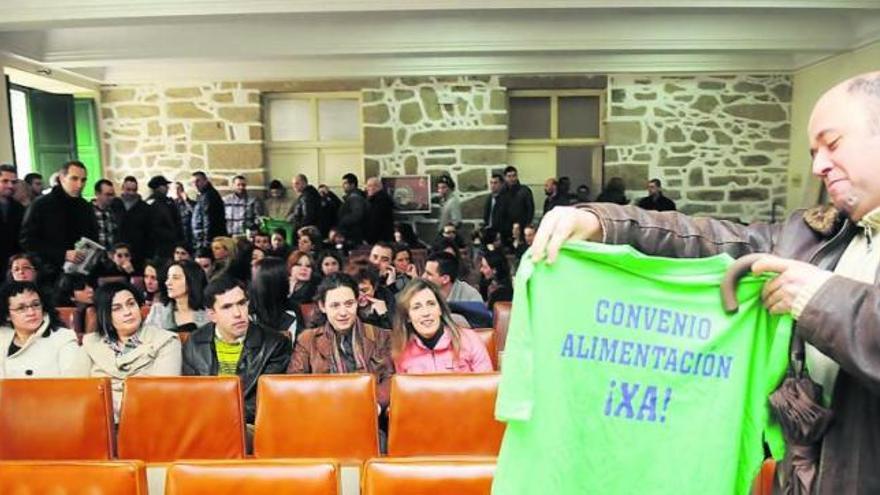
(385, 476)
(164, 419)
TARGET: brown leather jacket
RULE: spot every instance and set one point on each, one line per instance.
(314, 354)
(842, 320)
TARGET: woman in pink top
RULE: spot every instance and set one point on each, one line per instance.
(426, 340)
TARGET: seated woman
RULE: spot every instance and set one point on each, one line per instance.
(404, 268)
(268, 297)
(74, 290)
(495, 282)
(152, 269)
(24, 267)
(123, 346)
(301, 270)
(344, 344)
(180, 305)
(181, 252)
(426, 340)
(331, 263)
(33, 342)
(374, 300)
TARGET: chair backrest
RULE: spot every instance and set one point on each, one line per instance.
(67, 315)
(501, 311)
(90, 322)
(164, 419)
(253, 477)
(183, 336)
(404, 476)
(112, 278)
(330, 416)
(460, 409)
(138, 282)
(487, 336)
(308, 311)
(145, 310)
(56, 419)
(766, 479)
(73, 477)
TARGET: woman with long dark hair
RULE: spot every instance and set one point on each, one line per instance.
(268, 297)
(495, 282)
(180, 306)
(33, 341)
(303, 282)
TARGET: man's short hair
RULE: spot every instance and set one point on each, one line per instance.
(199, 174)
(130, 178)
(276, 184)
(101, 183)
(31, 177)
(72, 163)
(656, 182)
(447, 264)
(350, 177)
(239, 177)
(383, 245)
(121, 245)
(445, 179)
(510, 168)
(219, 286)
(303, 178)
(868, 87)
(5, 167)
(498, 176)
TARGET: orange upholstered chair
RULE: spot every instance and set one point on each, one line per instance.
(444, 414)
(56, 419)
(308, 311)
(73, 477)
(766, 479)
(328, 416)
(405, 476)
(183, 336)
(182, 417)
(91, 320)
(264, 477)
(487, 336)
(502, 321)
(67, 315)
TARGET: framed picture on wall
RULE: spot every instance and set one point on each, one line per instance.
(410, 193)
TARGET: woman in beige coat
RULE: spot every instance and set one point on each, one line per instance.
(123, 346)
(33, 342)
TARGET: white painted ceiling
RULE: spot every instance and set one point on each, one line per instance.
(118, 41)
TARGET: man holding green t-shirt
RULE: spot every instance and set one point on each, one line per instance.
(827, 270)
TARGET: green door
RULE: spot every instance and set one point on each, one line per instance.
(53, 135)
(88, 142)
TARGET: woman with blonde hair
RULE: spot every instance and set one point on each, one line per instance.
(425, 339)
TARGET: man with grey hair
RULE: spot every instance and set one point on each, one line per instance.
(827, 265)
(380, 213)
(308, 203)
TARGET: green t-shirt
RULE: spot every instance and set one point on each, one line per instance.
(622, 374)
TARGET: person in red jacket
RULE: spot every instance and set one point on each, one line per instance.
(426, 340)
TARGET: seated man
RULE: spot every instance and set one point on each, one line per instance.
(442, 268)
(344, 344)
(233, 345)
(381, 256)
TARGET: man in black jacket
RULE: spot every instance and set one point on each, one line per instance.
(135, 222)
(209, 214)
(655, 200)
(55, 221)
(11, 215)
(520, 200)
(353, 212)
(380, 214)
(233, 345)
(166, 230)
(308, 204)
(328, 216)
(495, 214)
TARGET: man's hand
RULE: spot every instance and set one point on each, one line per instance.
(378, 305)
(561, 224)
(74, 256)
(390, 276)
(412, 271)
(781, 291)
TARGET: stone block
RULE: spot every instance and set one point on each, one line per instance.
(401, 136)
(672, 88)
(256, 132)
(770, 146)
(371, 168)
(473, 207)
(498, 99)
(225, 97)
(125, 147)
(782, 92)
(750, 194)
(460, 137)
(674, 135)
(186, 110)
(618, 95)
(430, 103)
(722, 138)
(758, 111)
(404, 94)
(153, 128)
(410, 113)
(183, 92)
(781, 132)
(493, 119)
(440, 160)
(378, 140)
(483, 156)
(472, 180)
(209, 131)
(620, 111)
(699, 136)
(748, 87)
(623, 133)
(239, 114)
(116, 95)
(645, 96)
(705, 195)
(727, 180)
(705, 103)
(370, 96)
(235, 156)
(711, 85)
(136, 111)
(754, 160)
(174, 130)
(633, 175)
(376, 114)
(254, 98)
(411, 165)
(698, 209)
(676, 161)
(695, 177)
(107, 113)
(659, 112)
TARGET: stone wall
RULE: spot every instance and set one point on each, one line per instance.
(455, 126)
(174, 131)
(720, 144)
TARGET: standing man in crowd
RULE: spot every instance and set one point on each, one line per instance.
(520, 200)
(185, 208)
(495, 213)
(167, 230)
(242, 209)
(450, 204)
(826, 264)
(135, 223)
(11, 215)
(279, 206)
(209, 217)
(308, 204)
(106, 213)
(353, 212)
(29, 190)
(328, 215)
(55, 221)
(380, 214)
(655, 200)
